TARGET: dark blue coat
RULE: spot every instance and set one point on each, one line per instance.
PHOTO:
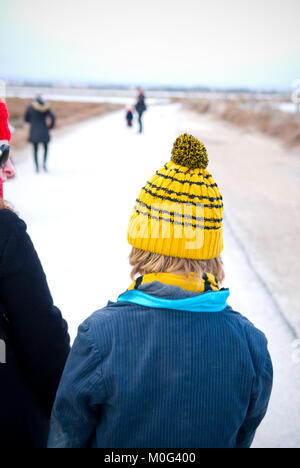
(163, 368)
(140, 106)
(38, 115)
(34, 337)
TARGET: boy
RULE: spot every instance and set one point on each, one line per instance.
(170, 364)
(129, 116)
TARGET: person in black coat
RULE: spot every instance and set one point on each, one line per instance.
(38, 114)
(140, 108)
(34, 342)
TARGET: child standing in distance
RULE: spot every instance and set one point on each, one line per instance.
(129, 116)
(170, 364)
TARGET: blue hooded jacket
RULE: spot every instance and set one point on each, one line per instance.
(165, 368)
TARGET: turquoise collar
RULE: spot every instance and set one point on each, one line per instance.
(211, 301)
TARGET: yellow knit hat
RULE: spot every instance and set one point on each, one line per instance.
(179, 211)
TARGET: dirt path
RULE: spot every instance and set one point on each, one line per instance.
(260, 182)
(66, 113)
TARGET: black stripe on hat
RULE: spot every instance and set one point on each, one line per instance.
(188, 171)
(190, 182)
(180, 201)
(178, 223)
(186, 216)
(185, 194)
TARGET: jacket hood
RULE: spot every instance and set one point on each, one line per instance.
(40, 107)
(161, 296)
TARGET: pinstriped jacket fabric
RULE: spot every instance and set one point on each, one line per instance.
(145, 377)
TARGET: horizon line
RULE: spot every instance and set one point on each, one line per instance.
(150, 86)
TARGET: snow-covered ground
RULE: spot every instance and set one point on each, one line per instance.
(77, 216)
(160, 96)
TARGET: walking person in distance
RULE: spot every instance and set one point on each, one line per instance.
(41, 120)
(140, 108)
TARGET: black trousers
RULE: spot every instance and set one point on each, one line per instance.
(140, 122)
(35, 154)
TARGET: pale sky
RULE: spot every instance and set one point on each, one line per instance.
(218, 43)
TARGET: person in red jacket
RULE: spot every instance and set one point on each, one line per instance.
(7, 169)
(4, 128)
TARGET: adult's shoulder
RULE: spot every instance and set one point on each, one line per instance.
(10, 224)
(9, 220)
(15, 244)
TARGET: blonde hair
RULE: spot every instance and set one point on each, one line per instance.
(4, 204)
(144, 262)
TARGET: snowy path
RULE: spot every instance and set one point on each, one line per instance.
(77, 216)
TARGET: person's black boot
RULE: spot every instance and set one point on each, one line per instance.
(45, 157)
(35, 155)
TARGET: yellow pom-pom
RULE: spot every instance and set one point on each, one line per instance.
(188, 151)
